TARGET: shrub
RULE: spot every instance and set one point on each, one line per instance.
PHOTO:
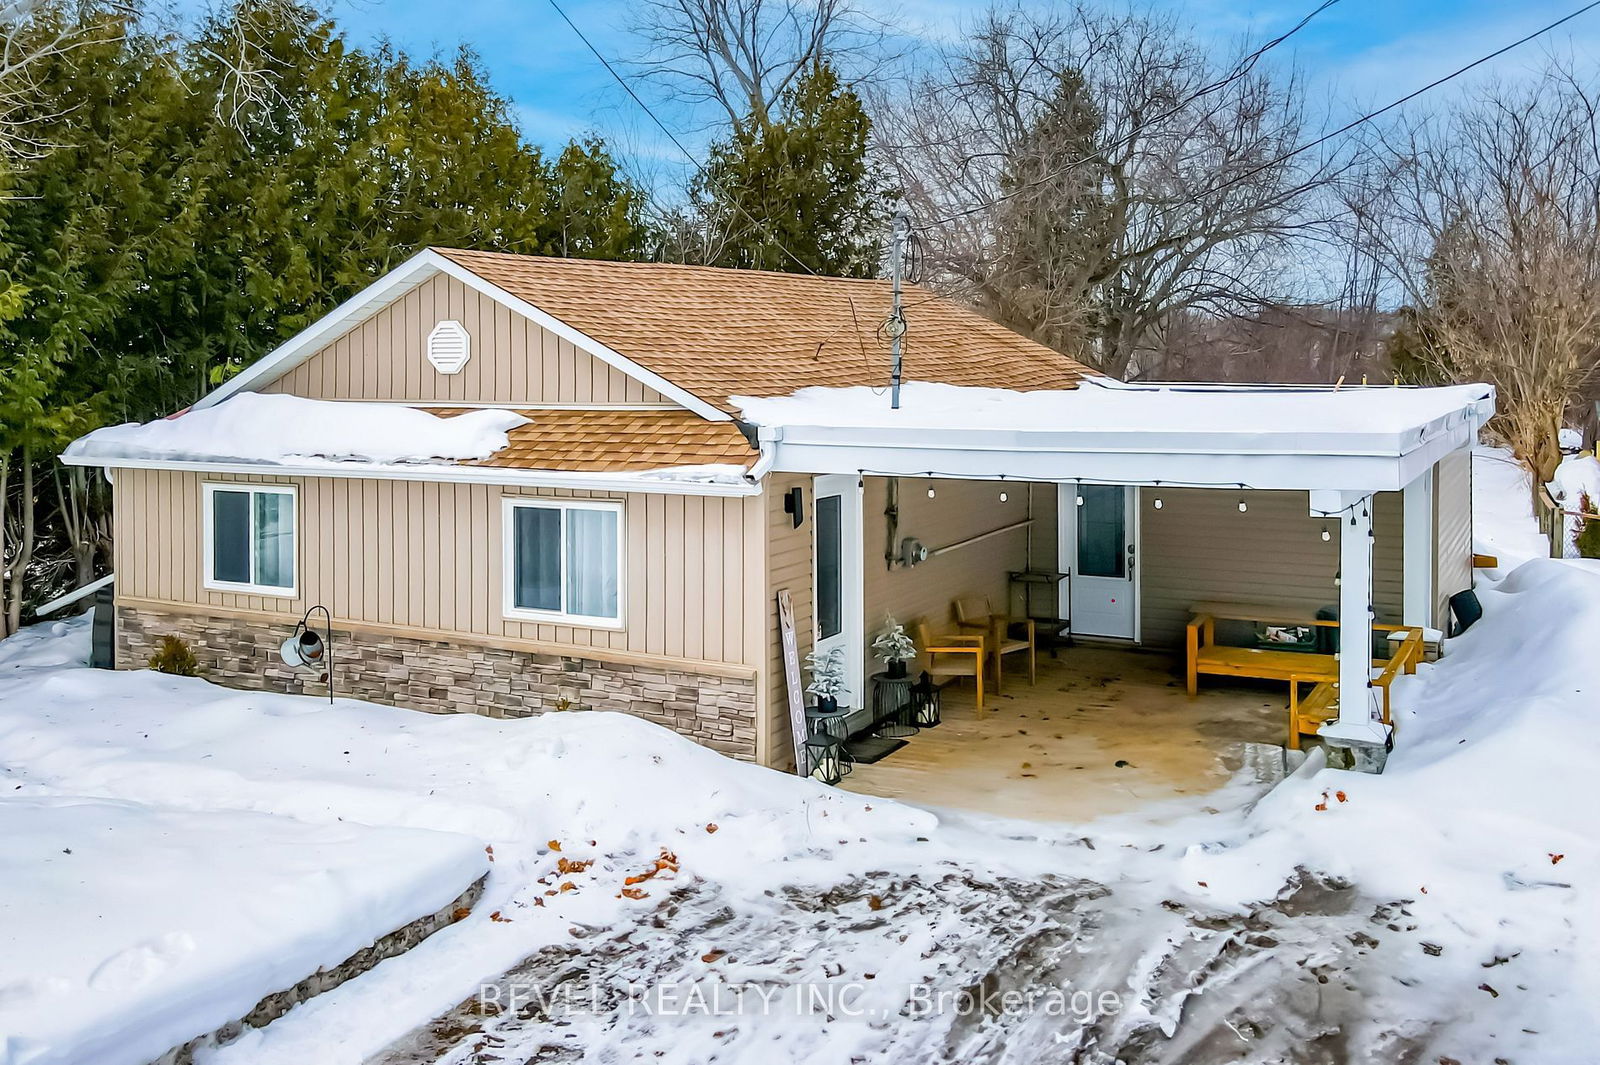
(1587, 537)
(173, 656)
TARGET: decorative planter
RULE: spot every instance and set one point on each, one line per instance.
(827, 703)
(897, 668)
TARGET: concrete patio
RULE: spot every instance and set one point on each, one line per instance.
(1104, 731)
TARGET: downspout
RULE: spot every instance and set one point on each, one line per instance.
(766, 460)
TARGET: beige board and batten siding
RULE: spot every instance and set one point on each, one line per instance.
(1452, 531)
(789, 561)
(424, 559)
(513, 362)
(1199, 547)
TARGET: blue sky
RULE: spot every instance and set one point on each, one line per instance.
(1358, 52)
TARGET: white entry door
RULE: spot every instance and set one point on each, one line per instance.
(1098, 537)
(837, 559)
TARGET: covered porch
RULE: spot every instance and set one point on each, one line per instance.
(1128, 516)
(1105, 731)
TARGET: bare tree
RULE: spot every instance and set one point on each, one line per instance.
(742, 55)
(1178, 198)
(32, 32)
(1494, 227)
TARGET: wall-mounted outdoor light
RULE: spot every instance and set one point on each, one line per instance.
(794, 505)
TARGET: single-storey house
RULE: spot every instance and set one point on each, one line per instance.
(670, 447)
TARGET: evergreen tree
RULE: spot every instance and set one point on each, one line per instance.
(186, 213)
(796, 192)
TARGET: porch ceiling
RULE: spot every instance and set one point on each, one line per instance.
(1357, 439)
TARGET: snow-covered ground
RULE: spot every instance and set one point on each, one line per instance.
(132, 924)
(1442, 911)
(131, 928)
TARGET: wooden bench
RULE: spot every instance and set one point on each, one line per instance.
(1205, 655)
(1308, 716)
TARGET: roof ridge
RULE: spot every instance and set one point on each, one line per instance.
(654, 265)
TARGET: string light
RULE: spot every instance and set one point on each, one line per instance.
(1158, 502)
(1243, 506)
(1002, 497)
(1326, 535)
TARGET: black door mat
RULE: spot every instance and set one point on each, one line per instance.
(869, 749)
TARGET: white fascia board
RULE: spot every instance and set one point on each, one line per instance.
(582, 341)
(494, 475)
(398, 282)
(316, 336)
(1353, 461)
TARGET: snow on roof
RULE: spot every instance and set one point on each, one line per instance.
(279, 429)
(1104, 406)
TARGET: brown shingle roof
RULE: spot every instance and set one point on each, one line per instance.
(616, 441)
(718, 333)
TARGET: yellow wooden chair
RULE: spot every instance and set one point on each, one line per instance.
(976, 614)
(951, 656)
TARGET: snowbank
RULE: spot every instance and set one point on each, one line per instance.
(1503, 524)
(130, 929)
(1483, 821)
(251, 427)
(607, 789)
(1107, 406)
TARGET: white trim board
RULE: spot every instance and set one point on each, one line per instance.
(497, 475)
(395, 284)
(208, 554)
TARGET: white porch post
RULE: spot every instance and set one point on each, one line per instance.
(1417, 551)
(1355, 726)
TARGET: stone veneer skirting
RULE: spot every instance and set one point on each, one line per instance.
(441, 677)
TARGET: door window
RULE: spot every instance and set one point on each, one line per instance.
(830, 613)
(1102, 531)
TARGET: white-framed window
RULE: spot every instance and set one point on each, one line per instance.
(249, 539)
(563, 561)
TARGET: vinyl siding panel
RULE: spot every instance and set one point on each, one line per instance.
(1452, 528)
(513, 360)
(1198, 546)
(426, 557)
(788, 565)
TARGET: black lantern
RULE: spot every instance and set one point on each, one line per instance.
(822, 755)
(925, 701)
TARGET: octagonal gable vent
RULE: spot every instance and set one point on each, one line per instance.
(449, 347)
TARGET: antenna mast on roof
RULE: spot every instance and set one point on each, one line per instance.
(895, 324)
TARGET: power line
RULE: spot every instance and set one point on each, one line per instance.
(1386, 108)
(1240, 69)
(662, 126)
(1326, 137)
